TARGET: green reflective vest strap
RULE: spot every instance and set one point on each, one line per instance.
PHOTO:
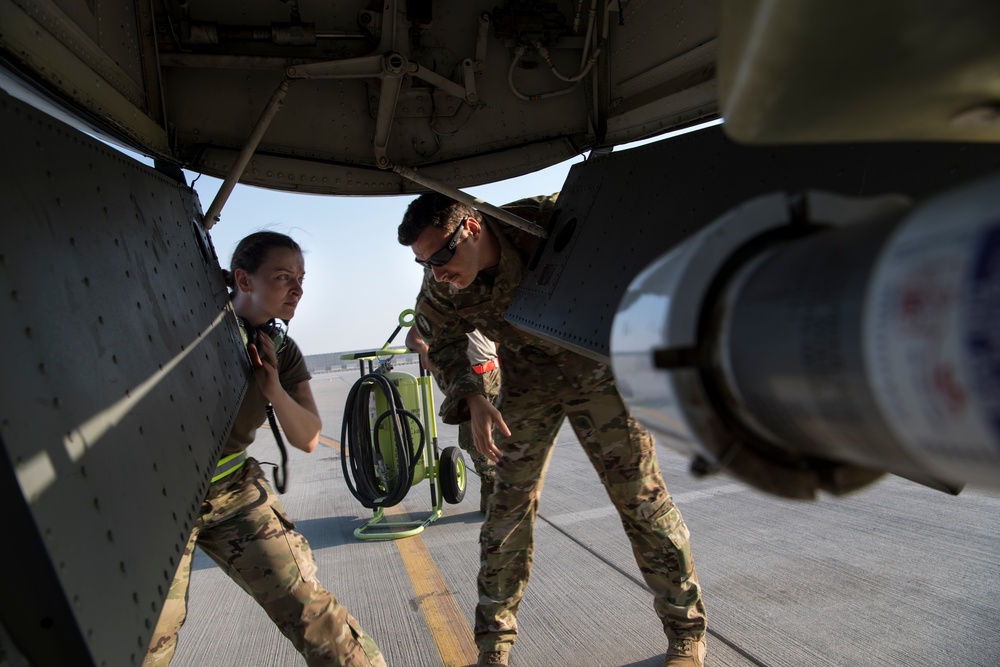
(228, 465)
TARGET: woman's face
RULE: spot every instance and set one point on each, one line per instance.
(274, 289)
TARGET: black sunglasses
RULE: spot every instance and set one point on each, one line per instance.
(445, 254)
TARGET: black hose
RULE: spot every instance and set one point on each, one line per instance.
(362, 459)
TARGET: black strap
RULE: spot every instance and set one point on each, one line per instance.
(280, 481)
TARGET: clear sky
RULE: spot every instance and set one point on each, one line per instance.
(358, 278)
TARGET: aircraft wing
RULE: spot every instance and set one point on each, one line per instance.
(338, 94)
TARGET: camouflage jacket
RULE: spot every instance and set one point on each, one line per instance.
(444, 315)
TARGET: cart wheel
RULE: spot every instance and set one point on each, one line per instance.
(451, 475)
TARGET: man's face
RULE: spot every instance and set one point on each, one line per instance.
(463, 266)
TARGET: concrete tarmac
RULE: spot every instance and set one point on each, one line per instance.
(896, 574)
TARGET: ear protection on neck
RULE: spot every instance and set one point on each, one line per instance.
(275, 329)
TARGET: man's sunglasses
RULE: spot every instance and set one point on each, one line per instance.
(445, 254)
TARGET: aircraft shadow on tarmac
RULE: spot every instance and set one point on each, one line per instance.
(331, 531)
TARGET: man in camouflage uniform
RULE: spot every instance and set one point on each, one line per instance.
(473, 268)
(482, 354)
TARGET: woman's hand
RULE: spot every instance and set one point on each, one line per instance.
(265, 363)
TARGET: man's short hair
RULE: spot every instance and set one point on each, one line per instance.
(433, 209)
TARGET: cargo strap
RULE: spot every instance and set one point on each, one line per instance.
(228, 465)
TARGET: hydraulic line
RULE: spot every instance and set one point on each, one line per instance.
(373, 480)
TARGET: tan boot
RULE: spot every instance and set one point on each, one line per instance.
(492, 658)
(686, 652)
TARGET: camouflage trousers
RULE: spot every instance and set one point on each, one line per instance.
(624, 455)
(243, 528)
(483, 466)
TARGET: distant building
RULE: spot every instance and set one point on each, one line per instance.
(321, 363)
(331, 361)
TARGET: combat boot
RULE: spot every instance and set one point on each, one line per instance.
(686, 652)
(485, 489)
(492, 658)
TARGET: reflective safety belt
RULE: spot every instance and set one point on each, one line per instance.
(487, 367)
(228, 465)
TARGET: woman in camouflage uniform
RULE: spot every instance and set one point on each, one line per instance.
(242, 526)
